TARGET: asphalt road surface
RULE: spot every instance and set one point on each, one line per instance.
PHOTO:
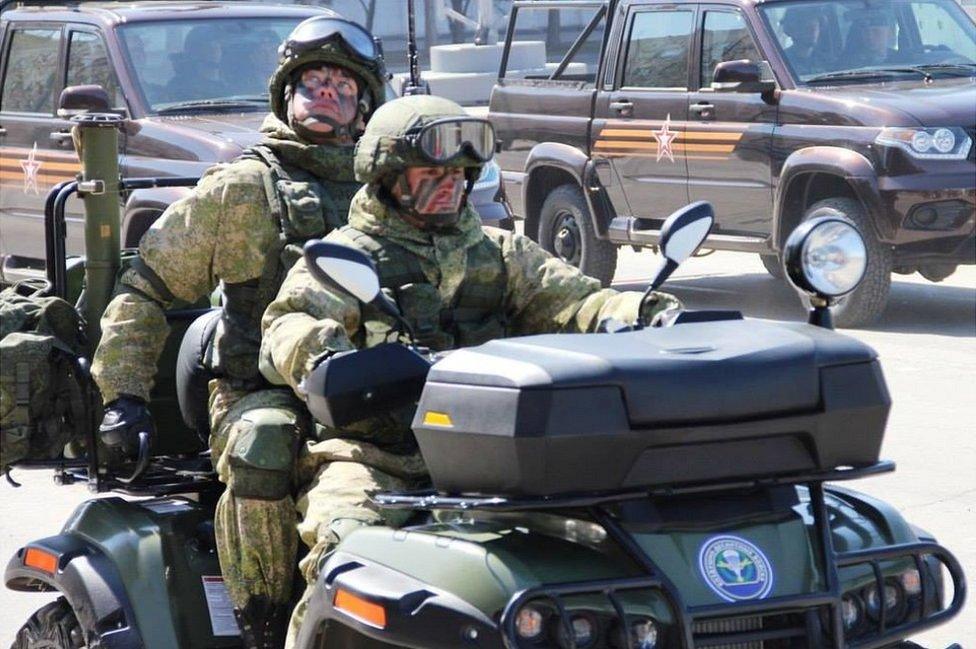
(927, 343)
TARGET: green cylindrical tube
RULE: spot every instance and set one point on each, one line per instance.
(98, 137)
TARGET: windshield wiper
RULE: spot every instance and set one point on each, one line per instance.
(968, 68)
(866, 73)
(237, 102)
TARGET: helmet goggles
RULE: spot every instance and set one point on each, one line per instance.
(447, 139)
(313, 34)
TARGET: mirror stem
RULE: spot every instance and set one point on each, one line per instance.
(664, 270)
(820, 315)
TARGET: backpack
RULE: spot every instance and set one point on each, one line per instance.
(46, 398)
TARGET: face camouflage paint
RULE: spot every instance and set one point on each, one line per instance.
(325, 100)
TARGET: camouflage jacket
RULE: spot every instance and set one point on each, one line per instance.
(537, 293)
(231, 232)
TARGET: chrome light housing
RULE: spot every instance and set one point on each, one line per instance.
(826, 256)
(937, 143)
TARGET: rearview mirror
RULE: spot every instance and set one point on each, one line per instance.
(83, 99)
(350, 271)
(681, 236)
(741, 76)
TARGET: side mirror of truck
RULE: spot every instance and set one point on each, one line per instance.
(83, 99)
(741, 76)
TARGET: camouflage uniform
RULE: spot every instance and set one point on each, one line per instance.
(241, 228)
(457, 287)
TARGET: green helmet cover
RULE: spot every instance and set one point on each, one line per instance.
(384, 151)
(331, 53)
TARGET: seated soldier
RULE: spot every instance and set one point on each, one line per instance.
(869, 39)
(803, 25)
(457, 284)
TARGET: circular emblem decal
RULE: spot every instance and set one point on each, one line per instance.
(735, 568)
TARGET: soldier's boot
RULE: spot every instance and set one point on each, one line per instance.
(263, 623)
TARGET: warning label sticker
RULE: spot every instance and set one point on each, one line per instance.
(221, 609)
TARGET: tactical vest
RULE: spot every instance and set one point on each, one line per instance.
(303, 207)
(475, 315)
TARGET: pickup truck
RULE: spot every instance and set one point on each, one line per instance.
(773, 110)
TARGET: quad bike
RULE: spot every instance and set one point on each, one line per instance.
(647, 487)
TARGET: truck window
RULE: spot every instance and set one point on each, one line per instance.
(556, 44)
(657, 50)
(31, 70)
(88, 64)
(725, 38)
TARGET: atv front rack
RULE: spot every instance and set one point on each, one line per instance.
(805, 621)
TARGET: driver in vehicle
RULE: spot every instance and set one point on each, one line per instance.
(803, 25)
(242, 228)
(869, 39)
(456, 283)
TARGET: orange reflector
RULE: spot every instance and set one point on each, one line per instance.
(43, 561)
(434, 418)
(359, 608)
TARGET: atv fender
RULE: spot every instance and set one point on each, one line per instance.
(565, 160)
(849, 165)
(89, 581)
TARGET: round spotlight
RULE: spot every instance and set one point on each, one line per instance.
(892, 600)
(944, 140)
(529, 623)
(922, 141)
(584, 631)
(644, 634)
(826, 256)
(851, 611)
(926, 215)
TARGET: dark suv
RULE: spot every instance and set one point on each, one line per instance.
(191, 78)
(615, 113)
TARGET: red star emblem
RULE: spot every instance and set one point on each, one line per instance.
(31, 167)
(664, 139)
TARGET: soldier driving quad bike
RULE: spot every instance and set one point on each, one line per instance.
(576, 499)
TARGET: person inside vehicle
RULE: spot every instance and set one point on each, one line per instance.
(195, 71)
(803, 25)
(456, 282)
(869, 39)
(241, 228)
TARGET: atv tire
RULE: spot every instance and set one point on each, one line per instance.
(53, 626)
(773, 265)
(566, 231)
(867, 302)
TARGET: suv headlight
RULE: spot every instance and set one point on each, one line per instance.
(491, 175)
(936, 143)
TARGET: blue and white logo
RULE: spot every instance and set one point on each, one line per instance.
(735, 568)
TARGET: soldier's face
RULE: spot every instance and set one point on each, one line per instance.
(436, 190)
(324, 98)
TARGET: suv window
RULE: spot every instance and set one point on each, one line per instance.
(88, 64)
(725, 38)
(556, 44)
(31, 70)
(657, 50)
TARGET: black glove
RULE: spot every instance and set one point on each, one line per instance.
(124, 419)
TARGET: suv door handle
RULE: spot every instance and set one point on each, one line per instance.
(623, 107)
(702, 108)
(60, 137)
(3, 131)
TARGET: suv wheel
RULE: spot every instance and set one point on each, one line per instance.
(773, 265)
(867, 302)
(565, 230)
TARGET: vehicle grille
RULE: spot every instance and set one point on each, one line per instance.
(705, 631)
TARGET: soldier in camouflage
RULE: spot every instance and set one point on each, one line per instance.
(456, 283)
(242, 228)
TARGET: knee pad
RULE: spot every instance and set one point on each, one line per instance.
(263, 454)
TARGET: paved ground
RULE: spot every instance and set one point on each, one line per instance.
(927, 342)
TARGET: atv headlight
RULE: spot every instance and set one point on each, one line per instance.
(826, 255)
(943, 143)
(584, 631)
(644, 634)
(529, 622)
(852, 611)
(894, 600)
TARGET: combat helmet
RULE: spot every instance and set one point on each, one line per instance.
(422, 130)
(334, 41)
